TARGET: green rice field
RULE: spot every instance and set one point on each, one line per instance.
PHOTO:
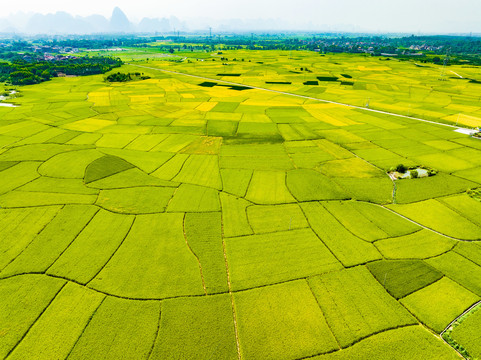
(185, 217)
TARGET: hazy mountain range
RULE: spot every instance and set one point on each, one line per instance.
(65, 23)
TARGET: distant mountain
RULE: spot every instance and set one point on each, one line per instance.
(64, 23)
(148, 25)
(58, 23)
(119, 22)
(97, 23)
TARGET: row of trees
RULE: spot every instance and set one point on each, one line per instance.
(124, 77)
(23, 72)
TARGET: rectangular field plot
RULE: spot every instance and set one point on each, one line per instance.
(308, 185)
(94, 246)
(34, 292)
(120, 329)
(355, 305)
(20, 227)
(269, 187)
(236, 181)
(411, 190)
(348, 249)
(464, 205)
(203, 232)
(460, 269)
(52, 241)
(411, 342)
(377, 190)
(193, 198)
(234, 216)
(392, 224)
(196, 328)
(57, 321)
(153, 261)
(352, 218)
(468, 334)
(271, 258)
(438, 304)
(403, 277)
(264, 219)
(434, 215)
(287, 318)
(201, 170)
(419, 245)
(470, 250)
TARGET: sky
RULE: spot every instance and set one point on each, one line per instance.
(411, 16)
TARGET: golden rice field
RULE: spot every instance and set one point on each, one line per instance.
(187, 218)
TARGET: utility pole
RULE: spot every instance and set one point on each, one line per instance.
(445, 63)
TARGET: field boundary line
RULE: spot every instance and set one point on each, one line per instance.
(114, 252)
(31, 242)
(452, 325)
(156, 333)
(423, 226)
(464, 313)
(71, 242)
(35, 321)
(229, 287)
(349, 230)
(360, 340)
(193, 253)
(323, 314)
(175, 296)
(317, 235)
(86, 326)
(298, 95)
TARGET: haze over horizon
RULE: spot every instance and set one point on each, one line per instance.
(409, 16)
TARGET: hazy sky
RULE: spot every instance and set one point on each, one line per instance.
(373, 15)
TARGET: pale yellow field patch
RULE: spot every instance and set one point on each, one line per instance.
(188, 122)
(188, 96)
(463, 119)
(139, 98)
(99, 98)
(89, 125)
(373, 68)
(206, 106)
(322, 116)
(323, 106)
(463, 108)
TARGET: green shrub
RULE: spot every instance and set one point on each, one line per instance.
(401, 168)
(414, 174)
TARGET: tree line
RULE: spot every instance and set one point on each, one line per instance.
(29, 72)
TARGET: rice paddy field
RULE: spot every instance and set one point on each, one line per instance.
(184, 217)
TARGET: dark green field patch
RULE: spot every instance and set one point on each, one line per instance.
(403, 277)
(7, 164)
(104, 167)
(221, 128)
